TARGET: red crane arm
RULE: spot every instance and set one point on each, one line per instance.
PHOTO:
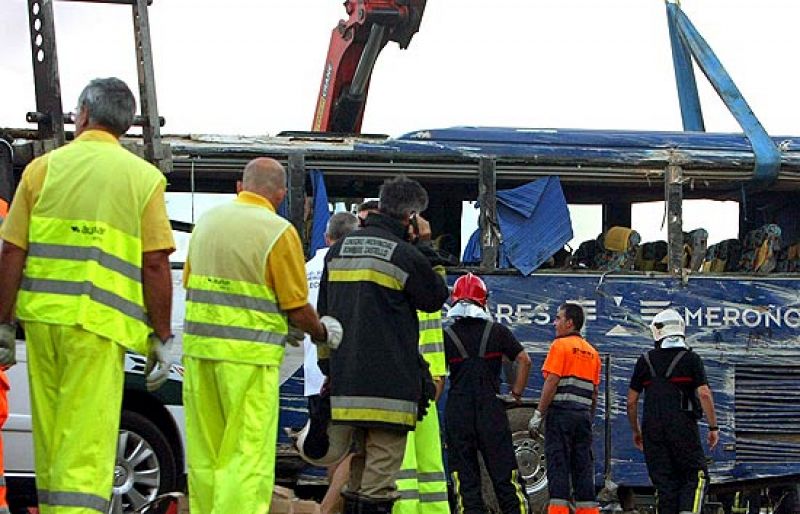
(353, 50)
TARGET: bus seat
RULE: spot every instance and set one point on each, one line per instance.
(695, 244)
(760, 249)
(584, 256)
(651, 256)
(723, 256)
(789, 258)
(619, 249)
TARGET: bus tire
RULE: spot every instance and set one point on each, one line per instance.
(531, 462)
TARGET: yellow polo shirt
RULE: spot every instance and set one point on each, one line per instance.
(286, 269)
(156, 230)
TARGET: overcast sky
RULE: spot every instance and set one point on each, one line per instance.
(254, 66)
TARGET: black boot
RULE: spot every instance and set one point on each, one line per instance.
(375, 506)
(352, 503)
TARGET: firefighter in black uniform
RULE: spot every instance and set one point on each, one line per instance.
(376, 280)
(676, 395)
(475, 417)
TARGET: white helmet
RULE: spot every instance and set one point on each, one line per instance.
(667, 323)
(340, 440)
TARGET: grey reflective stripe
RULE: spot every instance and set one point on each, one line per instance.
(72, 499)
(373, 402)
(671, 367)
(431, 348)
(4, 510)
(674, 363)
(430, 324)
(2, 481)
(485, 338)
(576, 382)
(369, 263)
(86, 253)
(197, 328)
(456, 341)
(433, 497)
(107, 298)
(569, 397)
(231, 300)
(409, 494)
(557, 501)
(405, 474)
(649, 364)
(586, 505)
(432, 476)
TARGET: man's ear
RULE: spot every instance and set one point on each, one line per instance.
(239, 186)
(81, 120)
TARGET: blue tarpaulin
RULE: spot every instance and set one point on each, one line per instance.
(321, 215)
(534, 222)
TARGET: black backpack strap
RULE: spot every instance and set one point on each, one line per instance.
(674, 363)
(485, 338)
(646, 357)
(457, 341)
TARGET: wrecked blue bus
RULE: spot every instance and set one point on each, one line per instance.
(739, 297)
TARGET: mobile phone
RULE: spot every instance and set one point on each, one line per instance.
(413, 222)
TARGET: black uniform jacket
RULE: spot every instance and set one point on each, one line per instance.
(374, 282)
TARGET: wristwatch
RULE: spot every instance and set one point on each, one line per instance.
(715, 428)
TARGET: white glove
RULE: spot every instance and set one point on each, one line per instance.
(8, 345)
(334, 330)
(535, 424)
(295, 336)
(163, 355)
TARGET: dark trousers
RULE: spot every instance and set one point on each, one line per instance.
(568, 448)
(479, 424)
(675, 463)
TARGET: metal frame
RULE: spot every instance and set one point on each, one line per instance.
(50, 115)
(686, 41)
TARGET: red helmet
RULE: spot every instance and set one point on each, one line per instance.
(470, 287)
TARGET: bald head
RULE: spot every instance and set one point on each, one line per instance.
(265, 177)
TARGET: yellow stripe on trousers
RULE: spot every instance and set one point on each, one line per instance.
(523, 501)
(698, 493)
(76, 393)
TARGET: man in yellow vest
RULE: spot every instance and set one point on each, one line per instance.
(421, 482)
(245, 283)
(86, 258)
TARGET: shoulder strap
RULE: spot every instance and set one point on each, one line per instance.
(674, 363)
(457, 341)
(646, 357)
(485, 338)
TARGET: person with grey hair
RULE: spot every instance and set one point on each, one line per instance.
(246, 297)
(86, 261)
(374, 282)
(339, 225)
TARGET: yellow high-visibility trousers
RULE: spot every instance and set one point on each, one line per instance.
(422, 483)
(231, 431)
(76, 380)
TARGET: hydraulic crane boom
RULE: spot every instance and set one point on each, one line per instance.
(354, 48)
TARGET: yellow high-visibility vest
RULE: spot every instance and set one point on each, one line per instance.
(231, 314)
(84, 262)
